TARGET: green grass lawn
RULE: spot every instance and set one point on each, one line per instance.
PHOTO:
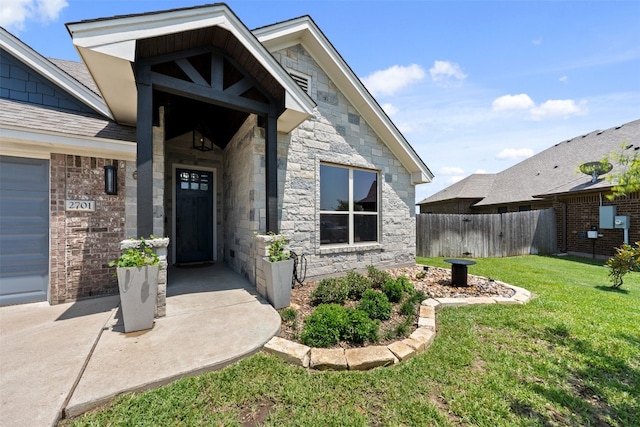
(571, 356)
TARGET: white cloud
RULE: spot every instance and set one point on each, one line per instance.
(451, 170)
(512, 102)
(14, 13)
(537, 42)
(444, 72)
(515, 153)
(564, 79)
(390, 109)
(480, 171)
(391, 80)
(557, 108)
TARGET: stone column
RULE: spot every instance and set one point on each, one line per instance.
(159, 246)
(261, 244)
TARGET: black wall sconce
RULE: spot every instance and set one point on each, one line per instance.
(200, 142)
(110, 180)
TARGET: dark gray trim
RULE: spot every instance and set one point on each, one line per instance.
(144, 136)
(271, 172)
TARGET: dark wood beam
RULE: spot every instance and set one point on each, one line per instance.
(206, 94)
(191, 72)
(144, 155)
(271, 172)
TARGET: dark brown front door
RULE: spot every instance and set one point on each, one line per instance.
(194, 216)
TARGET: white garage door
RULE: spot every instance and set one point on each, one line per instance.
(24, 230)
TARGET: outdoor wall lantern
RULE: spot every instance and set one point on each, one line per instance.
(110, 180)
(200, 142)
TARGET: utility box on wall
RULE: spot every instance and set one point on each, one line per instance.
(607, 216)
(621, 221)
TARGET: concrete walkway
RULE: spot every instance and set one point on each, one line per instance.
(66, 359)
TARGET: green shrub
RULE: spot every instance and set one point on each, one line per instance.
(330, 291)
(377, 277)
(402, 329)
(357, 283)
(627, 258)
(360, 328)
(407, 286)
(375, 304)
(288, 315)
(325, 326)
(393, 290)
(407, 308)
(417, 297)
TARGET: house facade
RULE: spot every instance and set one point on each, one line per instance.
(552, 179)
(186, 124)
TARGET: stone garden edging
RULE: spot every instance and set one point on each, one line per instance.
(363, 358)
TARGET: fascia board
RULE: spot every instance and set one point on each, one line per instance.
(29, 142)
(117, 38)
(303, 31)
(54, 74)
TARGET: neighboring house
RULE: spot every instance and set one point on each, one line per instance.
(551, 179)
(215, 133)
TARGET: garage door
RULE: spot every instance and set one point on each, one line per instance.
(24, 230)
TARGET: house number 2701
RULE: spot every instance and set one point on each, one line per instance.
(81, 205)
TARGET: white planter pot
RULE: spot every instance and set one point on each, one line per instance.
(138, 290)
(278, 276)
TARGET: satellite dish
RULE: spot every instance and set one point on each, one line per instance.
(595, 169)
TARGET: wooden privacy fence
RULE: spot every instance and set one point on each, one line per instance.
(486, 235)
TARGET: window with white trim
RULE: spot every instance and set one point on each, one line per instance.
(348, 205)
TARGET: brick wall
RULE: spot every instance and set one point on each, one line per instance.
(582, 212)
(83, 243)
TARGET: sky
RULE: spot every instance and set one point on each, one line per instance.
(474, 86)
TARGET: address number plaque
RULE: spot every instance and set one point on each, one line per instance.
(80, 205)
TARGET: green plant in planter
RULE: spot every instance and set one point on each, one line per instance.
(277, 252)
(136, 257)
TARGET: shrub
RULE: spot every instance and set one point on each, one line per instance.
(402, 330)
(375, 304)
(407, 308)
(377, 277)
(360, 328)
(627, 258)
(325, 326)
(393, 290)
(357, 283)
(288, 315)
(407, 286)
(330, 291)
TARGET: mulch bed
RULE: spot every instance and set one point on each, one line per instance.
(436, 283)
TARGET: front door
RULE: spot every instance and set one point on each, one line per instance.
(194, 216)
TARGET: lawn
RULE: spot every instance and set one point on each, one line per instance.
(571, 356)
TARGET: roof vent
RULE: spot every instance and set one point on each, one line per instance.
(301, 79)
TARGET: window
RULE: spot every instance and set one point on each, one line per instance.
(348, 205)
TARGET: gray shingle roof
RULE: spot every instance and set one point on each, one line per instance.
(78, 71)
(555, 170)
(476, 186)
(38, 117)
(552, 171)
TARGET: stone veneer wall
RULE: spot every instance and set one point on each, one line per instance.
(83, 243)
(336, 133)
(244, 196)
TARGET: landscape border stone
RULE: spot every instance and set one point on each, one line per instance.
(370, 357)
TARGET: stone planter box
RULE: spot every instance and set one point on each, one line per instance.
(138, 290)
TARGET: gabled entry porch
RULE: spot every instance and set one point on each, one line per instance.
(208, 102)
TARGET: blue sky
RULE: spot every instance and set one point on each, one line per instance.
(474, 86)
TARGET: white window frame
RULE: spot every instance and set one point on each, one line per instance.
(351, 212)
